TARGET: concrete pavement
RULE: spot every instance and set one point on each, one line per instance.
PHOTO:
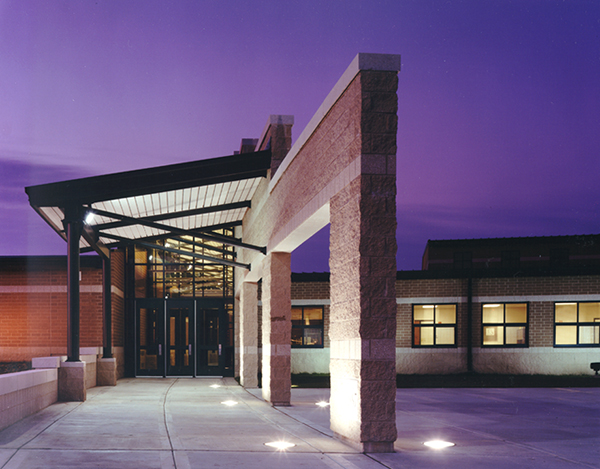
(183, 423)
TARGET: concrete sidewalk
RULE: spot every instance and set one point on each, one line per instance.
(182, 423)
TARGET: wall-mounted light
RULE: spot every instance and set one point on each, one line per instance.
(89, 218)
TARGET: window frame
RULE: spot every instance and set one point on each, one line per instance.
(434, 325)
(578, 324)
(304, 326)
(504, 325)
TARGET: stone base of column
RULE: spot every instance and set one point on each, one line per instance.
(367, 446)
(106, 372)
(378, 447)
(71, 382)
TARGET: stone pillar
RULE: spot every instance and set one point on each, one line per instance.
(248, 335)
(71, 382)
(363, 276)
(276, 329)
(106, 372)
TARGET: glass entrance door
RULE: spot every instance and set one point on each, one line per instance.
(183, 337)
(150, 322)
(209, 340)
(180, 338)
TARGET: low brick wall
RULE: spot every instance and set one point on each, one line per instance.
(25, 393)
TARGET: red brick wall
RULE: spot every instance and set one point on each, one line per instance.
(33, 305)
(117, 299)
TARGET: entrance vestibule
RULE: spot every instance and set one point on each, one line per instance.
(183, 337)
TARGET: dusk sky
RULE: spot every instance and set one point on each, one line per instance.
(499, 102)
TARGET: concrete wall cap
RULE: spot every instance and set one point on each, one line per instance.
(46, 362)
(72, 365)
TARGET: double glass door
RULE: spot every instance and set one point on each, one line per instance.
(180, 337)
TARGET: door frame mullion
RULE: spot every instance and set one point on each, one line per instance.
(194, 354)
(165, 344)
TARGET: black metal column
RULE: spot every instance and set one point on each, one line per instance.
(106, 307)
(470, 324)
(73, 226)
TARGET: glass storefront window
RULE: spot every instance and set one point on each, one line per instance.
(165, 274)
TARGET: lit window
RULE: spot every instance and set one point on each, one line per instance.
(434, 325)
(504, 325)
(307, 326)
(577, 324)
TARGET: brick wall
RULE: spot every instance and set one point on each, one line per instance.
(33, 305)
(454, 290)
(117, 298)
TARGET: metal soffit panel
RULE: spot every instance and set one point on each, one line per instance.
(209, 194)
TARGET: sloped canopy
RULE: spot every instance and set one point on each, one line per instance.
(193, 198)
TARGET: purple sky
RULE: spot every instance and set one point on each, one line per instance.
(499, 102)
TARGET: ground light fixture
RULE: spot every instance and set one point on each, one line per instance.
(215, 386)
(322, 403)
(229, 403)
(280, 445)
(438, 444)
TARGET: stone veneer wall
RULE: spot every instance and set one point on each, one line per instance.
(25, 393)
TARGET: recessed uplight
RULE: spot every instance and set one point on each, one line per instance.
(280, 445)
(229, 403)
(322, 403)
(215, 386)
(438, 444)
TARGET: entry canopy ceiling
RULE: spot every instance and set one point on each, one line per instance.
(194, 199)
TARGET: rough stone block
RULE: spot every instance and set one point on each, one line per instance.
(106, 372)
(71, 382)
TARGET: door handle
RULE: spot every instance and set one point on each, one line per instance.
(219, 349)
(160, 349)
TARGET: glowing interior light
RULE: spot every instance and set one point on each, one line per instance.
(438, 444)
(215, 386)
(491, 306)
(322, 404)
(89, 218)
(280, 445)
(229, 403)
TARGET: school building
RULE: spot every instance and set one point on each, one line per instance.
(188, 274)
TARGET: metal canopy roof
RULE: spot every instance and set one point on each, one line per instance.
(182, 199)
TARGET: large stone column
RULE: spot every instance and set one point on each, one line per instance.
(363, 275)
(248, 335)
(276, 329)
